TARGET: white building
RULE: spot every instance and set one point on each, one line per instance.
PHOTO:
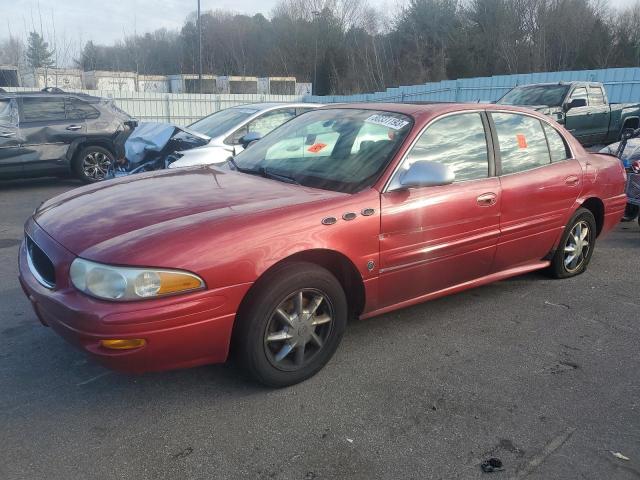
(304, 88)
(238, 85)
(153, 83)
(277, 85)
(64, 78)
(189, 83)
(112, 81)
(9, 76)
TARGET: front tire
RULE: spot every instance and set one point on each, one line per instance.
(92, 163)
(576, 246)
(291, 325)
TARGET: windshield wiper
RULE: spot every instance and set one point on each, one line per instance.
(263, 172)
(233, 162)
(276, 176)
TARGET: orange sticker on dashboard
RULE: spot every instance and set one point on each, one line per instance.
(522, 140)
(316, 147)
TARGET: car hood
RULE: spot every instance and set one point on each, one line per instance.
(210, 154)
(136, 211)
(157, 137)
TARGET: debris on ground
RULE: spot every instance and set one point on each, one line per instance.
(619, 455)
(561, 305)
(491, 465)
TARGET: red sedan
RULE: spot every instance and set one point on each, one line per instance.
(351, 210)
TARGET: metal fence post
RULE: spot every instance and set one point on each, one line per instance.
(168, 102)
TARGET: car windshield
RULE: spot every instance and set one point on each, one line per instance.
(221, 122)
(550, 95)
(343, 150)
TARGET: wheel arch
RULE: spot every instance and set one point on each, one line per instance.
(596, 207)
(630, 122)
(335, 262)
(80, 143)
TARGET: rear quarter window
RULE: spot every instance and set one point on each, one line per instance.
(558, 149)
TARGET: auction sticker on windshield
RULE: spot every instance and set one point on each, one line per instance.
(387, 121)
(316, 147)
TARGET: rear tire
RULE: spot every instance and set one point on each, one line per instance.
(576, 246)
(291, 325)
(630, 212)
(91, 163)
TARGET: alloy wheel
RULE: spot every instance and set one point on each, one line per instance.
(95, 165)
(577, 246)
(298, 329)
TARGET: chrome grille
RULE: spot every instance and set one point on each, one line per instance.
(40, 265)
(633, 188)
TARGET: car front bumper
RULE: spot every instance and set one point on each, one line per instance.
(180, 331)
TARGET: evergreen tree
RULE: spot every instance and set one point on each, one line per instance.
(38, 53)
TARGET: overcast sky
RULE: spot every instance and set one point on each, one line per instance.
(105, 21)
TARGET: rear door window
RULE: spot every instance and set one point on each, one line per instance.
(596, 96)
(522, 142)
(79, 110)
(43, 109)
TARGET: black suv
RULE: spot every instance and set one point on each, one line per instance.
(53, 133)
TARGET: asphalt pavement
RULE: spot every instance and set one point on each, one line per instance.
(542, 374)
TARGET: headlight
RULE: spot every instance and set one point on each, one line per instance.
(126, 283)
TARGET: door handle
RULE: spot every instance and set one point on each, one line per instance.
(7, 134)
(74, 127)
(487, 199)
(572, 180)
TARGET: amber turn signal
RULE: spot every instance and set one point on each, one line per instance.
(123, 343)
(177, 282)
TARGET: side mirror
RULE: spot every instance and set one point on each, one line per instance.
(249, 138)
(575, 103)
(424, 173)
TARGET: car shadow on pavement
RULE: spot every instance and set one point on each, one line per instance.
(628, 236)
(45, 182)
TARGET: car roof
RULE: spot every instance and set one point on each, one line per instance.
(263, 106)
(423, 110)
(35, 93)
(565, 84)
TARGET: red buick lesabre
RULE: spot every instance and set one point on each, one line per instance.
(351, 210)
